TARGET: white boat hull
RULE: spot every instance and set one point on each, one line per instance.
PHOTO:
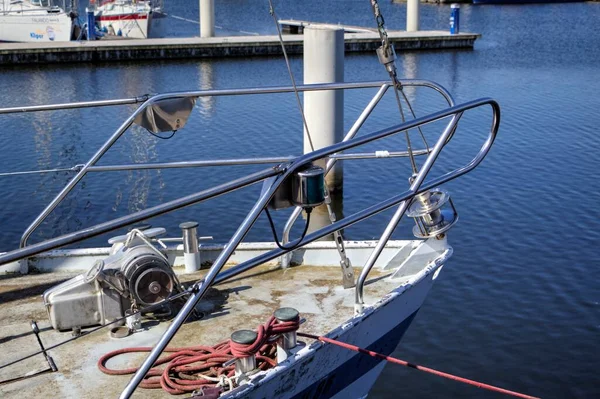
(35, 28)
(135, 26)
(328, 371)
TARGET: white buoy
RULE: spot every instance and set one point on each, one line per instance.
(324, 110)
(207, 18)
(412, 15)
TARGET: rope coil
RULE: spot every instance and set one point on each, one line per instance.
(200, 369)
(197, 368)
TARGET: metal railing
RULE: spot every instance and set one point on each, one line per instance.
(273, 178)
(351, 133)
(148, 100)
(214, 274)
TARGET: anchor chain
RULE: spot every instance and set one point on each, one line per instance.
(346, 265)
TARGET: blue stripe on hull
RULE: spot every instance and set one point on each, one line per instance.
(357, 365)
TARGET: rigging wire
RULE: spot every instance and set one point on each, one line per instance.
(289, 68)
(31, 172)
(412, 111)
(387, 56)
(411, 156)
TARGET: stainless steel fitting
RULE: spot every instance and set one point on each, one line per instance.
(244, 365)
(289, 340)
(191, 251)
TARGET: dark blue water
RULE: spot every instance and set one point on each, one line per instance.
(519, 304)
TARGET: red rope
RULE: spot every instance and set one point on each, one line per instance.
(180, 374)
(416, 366)
(270, 329)
(184, 367)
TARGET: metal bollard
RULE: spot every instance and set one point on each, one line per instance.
(244, 365)
(454, 19)
(191, 252)
(287, 341)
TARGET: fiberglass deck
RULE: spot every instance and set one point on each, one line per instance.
(241, 303)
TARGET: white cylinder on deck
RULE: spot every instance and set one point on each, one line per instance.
(412, 15)
(324, 110)
(191, 251)
(207, 18)
(192, 262)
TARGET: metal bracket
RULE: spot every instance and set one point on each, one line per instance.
(347, 270)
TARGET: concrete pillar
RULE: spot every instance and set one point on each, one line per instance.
(412, 15)
(324, 111)
(207, 18)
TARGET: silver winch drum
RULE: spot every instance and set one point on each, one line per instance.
(137, 275)
(432, 216)
(150, 279)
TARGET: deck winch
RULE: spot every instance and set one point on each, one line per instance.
(432, 216)
(136, 274)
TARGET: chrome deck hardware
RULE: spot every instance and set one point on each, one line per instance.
(155, 277)
(305, 189)
(135, 273)
(289, 340)
(431, 216)
(247, 364)
(133, 320)
(308, 187)
(191, 252)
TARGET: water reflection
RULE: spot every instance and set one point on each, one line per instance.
(206, 82)
(57, 143)
(138, 185)
(410, 71)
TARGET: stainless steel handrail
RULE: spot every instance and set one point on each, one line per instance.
(275, 178)
(415, 188)
(245, 161)
(136, 217)
(201, 287)
(283, 170)
(214, 162)
(351, 133)
(75, 105)
(186, 94)
(223, 92)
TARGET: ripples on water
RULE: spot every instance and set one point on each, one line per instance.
(519, 304)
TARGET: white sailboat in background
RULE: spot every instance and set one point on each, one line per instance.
(127, 18)
(35, 21)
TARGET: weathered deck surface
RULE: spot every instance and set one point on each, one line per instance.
(241, 303)
(230, 46)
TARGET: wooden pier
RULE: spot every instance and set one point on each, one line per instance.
(230, 46)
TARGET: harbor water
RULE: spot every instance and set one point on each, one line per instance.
(518, 305)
